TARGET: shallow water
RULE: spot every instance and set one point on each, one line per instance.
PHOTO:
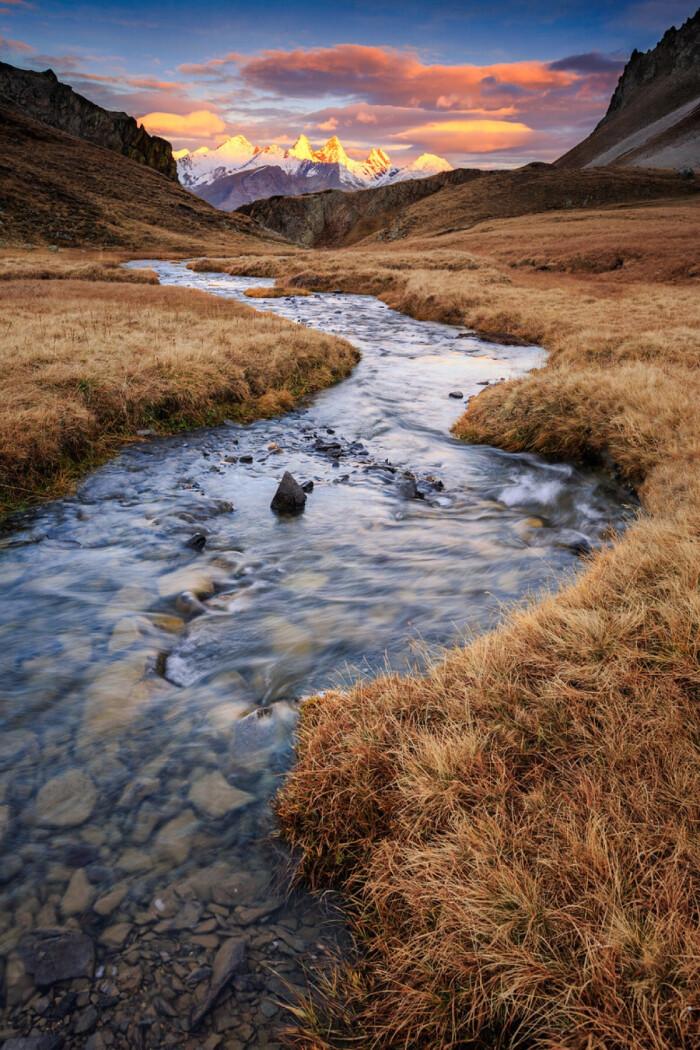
(166, 675)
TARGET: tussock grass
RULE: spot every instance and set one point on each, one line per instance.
(44, 266)
(87, 364)
(275, 291)
(517, 831)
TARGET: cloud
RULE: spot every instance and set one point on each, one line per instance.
(199, 124)
(328, 125)
(467, 136)
(392, 77)
(16, 47)
(591, 62)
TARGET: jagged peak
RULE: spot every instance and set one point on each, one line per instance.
(333, 152)
(302, 149)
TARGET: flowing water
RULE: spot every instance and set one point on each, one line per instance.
(150, 689)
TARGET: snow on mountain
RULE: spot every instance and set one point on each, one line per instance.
(226, 176)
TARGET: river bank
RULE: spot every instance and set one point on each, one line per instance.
(92, 356)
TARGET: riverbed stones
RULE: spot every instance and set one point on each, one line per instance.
(213, 796)
(115, 936)
(52, 955)
(229, 960)
(50, 1041)
(17, 745)
(66, 801)
(174, 840)
(290, 498)
(79, 894)
(110, 901)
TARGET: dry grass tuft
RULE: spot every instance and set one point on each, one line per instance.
(275, 291)
(86, 364)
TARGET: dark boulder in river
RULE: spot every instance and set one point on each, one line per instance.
(290, 498)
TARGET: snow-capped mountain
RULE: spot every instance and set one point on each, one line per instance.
(237, 172)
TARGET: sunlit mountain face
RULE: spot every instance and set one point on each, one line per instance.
(237, 172)
(236, 154)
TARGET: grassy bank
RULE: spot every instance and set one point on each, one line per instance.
(517, 830)
(86, 364)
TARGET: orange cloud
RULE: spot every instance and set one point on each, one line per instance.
(468, 136)
(389, 76)
(199, 124)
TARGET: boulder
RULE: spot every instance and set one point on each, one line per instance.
(53, 955)
(290, 498)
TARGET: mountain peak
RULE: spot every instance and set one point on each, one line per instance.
(302, 149)
(429, 162)
(332, 153)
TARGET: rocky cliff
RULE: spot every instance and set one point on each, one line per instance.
(653, 119)
(43, 97)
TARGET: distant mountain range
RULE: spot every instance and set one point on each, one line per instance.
(237, 172)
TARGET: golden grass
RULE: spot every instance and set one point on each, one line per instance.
(517, 831)
(69, 266)
(275, 291)
(86, 364)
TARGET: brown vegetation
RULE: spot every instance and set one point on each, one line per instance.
(274, 291)
(62, 190)
(517, 830)
(87, 364)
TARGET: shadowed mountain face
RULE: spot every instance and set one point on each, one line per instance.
(337, 217)
(456, 201)
(61, 189)
(653, 119)
(43, 97)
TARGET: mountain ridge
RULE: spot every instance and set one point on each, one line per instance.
(653, 119)
(226, 176)
(43, 97)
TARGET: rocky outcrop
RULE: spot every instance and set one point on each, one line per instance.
(43, 97)
(676, 56)
(336, 217)
(653, 119)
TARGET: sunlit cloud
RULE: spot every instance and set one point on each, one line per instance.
(199, 124)
(467, 136)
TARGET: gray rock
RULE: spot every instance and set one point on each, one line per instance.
(34, 1042)
(57, 955)
(228, 961)
(290, 497)
(457, 394)
(86, 1021)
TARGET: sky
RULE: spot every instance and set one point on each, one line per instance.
(482, 83)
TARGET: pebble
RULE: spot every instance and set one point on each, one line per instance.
(66, 800)
(213, 796)
(79, 894)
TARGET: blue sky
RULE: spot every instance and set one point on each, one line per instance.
(478, 82)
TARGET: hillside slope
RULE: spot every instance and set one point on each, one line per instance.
(445, 205)
(336, 217)
(654, 115)
(43, 97)
(56, 188)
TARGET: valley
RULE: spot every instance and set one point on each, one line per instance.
(350, 555)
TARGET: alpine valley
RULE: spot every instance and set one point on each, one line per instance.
(237, 172)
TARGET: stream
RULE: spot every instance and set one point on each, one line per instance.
(159, 628)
